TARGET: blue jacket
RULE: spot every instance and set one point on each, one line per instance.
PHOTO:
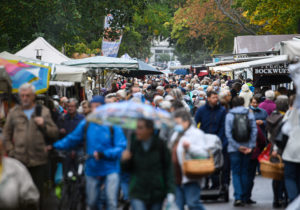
(98, 139)
(234, 146)
(212, 121)
(261, 114)
(69, 123)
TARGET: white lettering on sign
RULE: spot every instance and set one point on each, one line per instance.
(272, 69)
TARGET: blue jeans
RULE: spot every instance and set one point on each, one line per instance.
(292, 179)
(239, 163)
(251, 176)
(125, 185)
(111, 184)
(137, 204)
(189, 194)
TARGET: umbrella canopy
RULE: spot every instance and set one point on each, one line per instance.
(126, 114)
(181, 72)
(105, 63)
(21, 72)
(144, 69)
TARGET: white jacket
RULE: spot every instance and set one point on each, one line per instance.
(197, 146)
(292, 129)
(246, 94)
(17, 189)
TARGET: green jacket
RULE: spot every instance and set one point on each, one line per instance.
(151, 171)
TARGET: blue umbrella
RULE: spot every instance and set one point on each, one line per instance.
(181, 72)
(126, 114)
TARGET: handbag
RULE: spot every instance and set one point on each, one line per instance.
(198, 168)
(265, 155)
(272, 170)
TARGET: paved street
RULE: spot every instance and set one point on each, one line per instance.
(262, 193)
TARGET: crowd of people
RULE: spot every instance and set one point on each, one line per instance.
(147, 165)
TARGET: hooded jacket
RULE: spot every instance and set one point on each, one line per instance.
(268, 105)
(18, 191)
(198, 146)
(98, 138)
(246, 94)
(233, 145)
(292, 129)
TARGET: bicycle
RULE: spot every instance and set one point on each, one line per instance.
(73, 188)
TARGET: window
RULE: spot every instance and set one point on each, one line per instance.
(158, 51)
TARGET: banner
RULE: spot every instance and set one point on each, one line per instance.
(110, 48)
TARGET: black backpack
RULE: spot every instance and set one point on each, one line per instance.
(241, 130)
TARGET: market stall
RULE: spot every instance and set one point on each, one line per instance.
(144, 69)
(103, 69)
(268, 71)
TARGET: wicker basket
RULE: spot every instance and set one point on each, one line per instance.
(198, 168)
(272, 170)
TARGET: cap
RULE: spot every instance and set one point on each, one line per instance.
(160, 88)
(98, 99)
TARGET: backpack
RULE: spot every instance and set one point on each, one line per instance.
(241, 130)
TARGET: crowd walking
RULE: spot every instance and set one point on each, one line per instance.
(142, 163)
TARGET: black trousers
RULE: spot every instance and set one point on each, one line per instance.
(39, 176)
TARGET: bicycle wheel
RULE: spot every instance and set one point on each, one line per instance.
(66, 198)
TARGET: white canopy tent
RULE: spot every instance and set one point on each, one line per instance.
(103, 62)
(69, 73)
(40, 47)
(251, 64)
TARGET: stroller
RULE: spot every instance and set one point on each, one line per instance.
(209, 191)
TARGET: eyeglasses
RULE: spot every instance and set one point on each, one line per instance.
(25, 95)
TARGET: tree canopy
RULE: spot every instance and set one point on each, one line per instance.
(196, 28)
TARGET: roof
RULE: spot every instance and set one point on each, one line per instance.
(291, 48)
(251, 64)
(261, 43)
(48, 52)
(104, 62)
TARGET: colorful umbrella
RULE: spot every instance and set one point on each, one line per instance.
(126, 114)
(21, 72)
(181, 72)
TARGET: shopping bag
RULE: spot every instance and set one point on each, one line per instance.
(58, 174)
(169, 203)
(265, 155)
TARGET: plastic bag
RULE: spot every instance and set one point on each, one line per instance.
(58, 174)
(265, 155)
(169, 203)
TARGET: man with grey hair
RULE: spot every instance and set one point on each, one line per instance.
(225, 99)
(160, 91)
(27, 132)
(69, 121)
(269, 104)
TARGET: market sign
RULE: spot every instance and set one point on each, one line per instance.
(276, 69)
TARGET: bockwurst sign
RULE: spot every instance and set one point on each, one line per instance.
(278, 69)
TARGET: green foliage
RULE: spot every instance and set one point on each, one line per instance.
(78, 25)
(274, 17)
(164, 57)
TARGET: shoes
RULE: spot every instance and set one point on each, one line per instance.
(238, 203)
(277, 205)
(250, 201)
